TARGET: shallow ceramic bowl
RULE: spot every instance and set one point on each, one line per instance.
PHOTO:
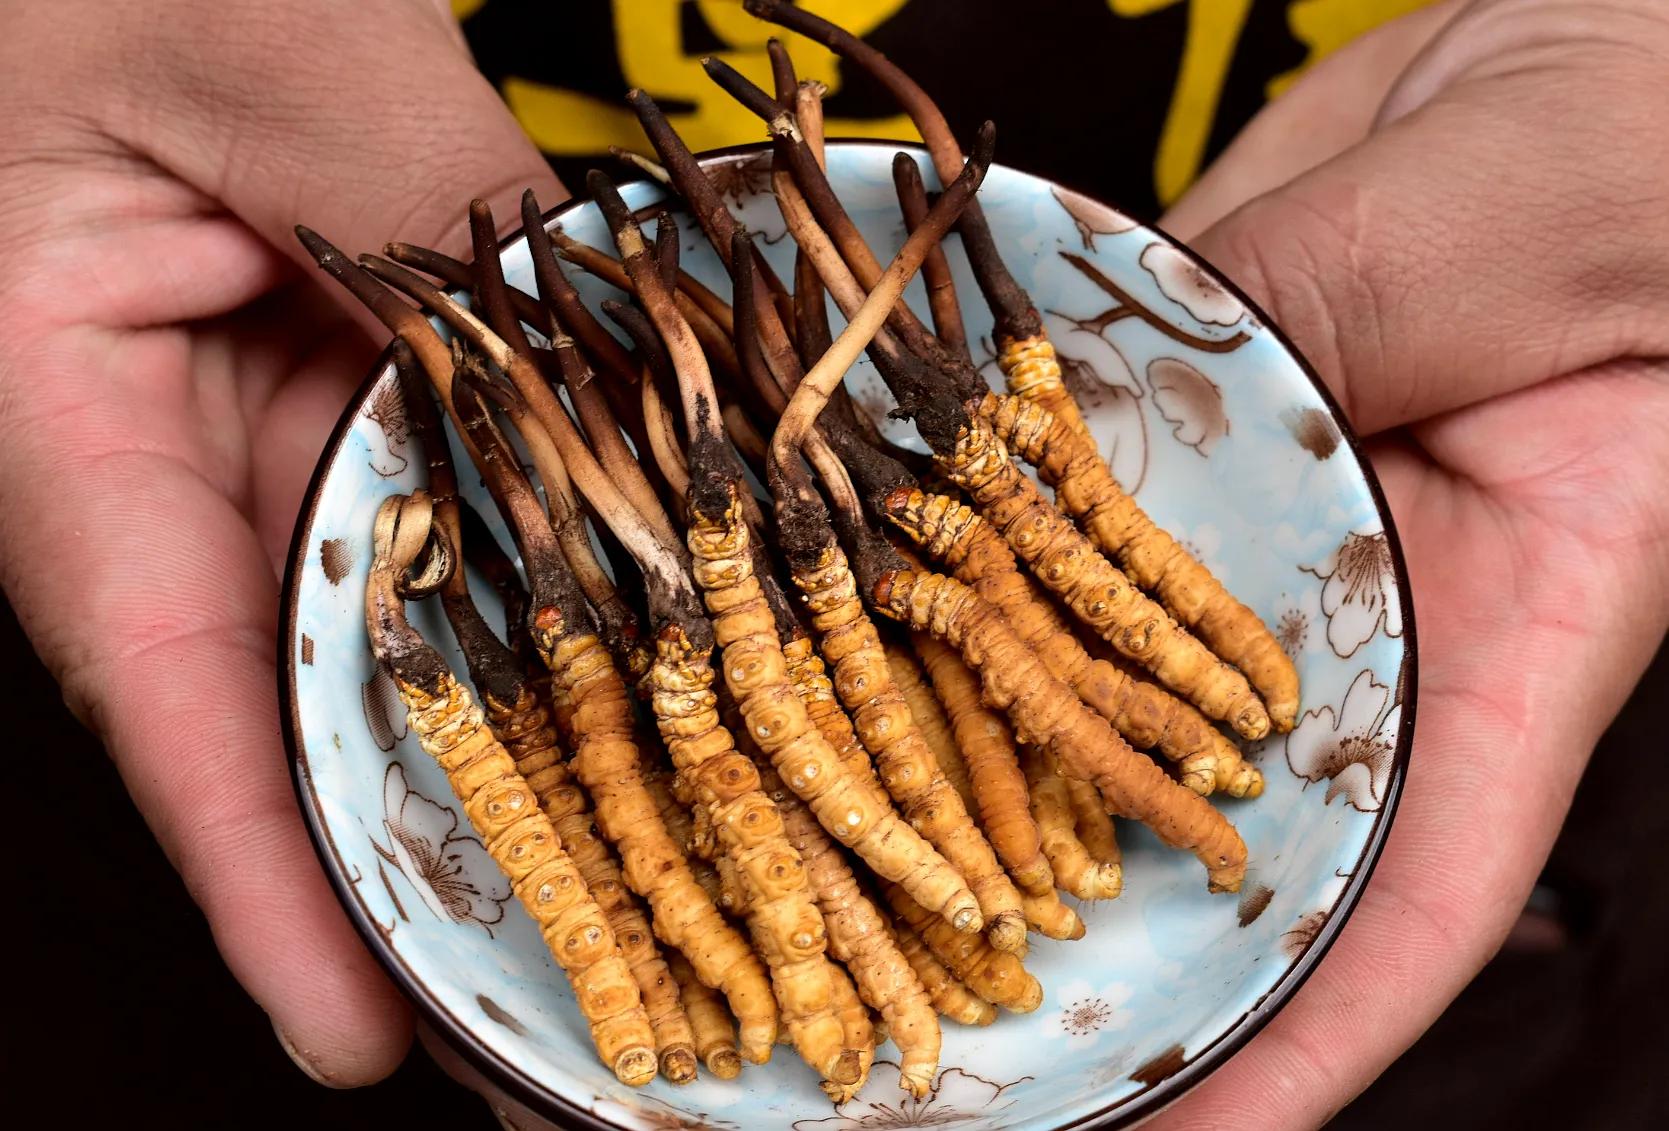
(1221, 431)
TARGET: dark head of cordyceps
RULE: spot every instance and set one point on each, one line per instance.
(401, 539)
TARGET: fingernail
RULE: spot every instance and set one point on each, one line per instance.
(299, 1058)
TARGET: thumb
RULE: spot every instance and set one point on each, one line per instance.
(369, 123)
(1482, 241)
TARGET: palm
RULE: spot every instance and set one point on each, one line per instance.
(165, 429)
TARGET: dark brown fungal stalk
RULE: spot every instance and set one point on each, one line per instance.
(713, 333)
(482, 551)
(705, 202)
(617, 620)
(606, 441)
(720, 228)
(527, 308)
(1016, 317)
(659, 421)
(793, 151)
(935, 269)
(594, 482)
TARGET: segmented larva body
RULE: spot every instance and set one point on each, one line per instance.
(852, 811)
(994, 975)
(1046, 711)
(715, 1031)
(859, 1036)
(607, 762)
(1093, 823)
(781, 916)
(987, 742)
(525, 729)
(1086, 490)
(681, 828)
(1147, 715)
(816, 690)
(519, 837)
(1075, 870)
(950, 997)
(1033, 374)
(929, 714)
(1096, 591)
(859, 937)
(907, 767)
(1050, 917)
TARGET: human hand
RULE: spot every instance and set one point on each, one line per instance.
(1463, 221)
(168, 376)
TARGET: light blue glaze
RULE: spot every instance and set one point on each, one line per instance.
(1210, 443)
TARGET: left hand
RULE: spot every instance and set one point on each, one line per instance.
(1463, 221)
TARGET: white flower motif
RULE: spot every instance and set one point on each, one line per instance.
(1091, 217)
(451, 873)
(1352, 749)
(1189, 401)
(1360, 592)
(386, 408)
(1086, 1013)
(1295, 622)
(1188, 285)
(956, 1097)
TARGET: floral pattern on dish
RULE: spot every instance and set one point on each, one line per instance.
(1351, 748)
(1185, 283)
(1360, 592)
(450, 872)
(1190, 402)
(956, 1097)
(1085, 1013)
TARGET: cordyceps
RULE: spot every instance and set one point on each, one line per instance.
(518, 714)
(1146, 715)
(846, 637)
(500, 805)
(858, 936)
(785, 923)
(755, 669)
(1086, 490)
(1033, 374)
(1024, 352)
(937, 394)
(1047, 712)
(584, 676)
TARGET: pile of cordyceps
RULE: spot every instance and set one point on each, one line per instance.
(905, 763)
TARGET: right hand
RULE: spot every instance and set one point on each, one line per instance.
(170, 367)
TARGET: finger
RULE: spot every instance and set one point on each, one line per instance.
(1532, 632)
(1483, 241)
(1329, 109)
(170, 659)
(367, 128)
(154, 605)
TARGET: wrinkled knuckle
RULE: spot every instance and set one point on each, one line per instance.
(1285, 254)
